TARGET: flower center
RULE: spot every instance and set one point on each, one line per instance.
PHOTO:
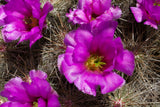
(95, 63)
(94, 16)
(156, 3)
(35, 104)
(31, 22)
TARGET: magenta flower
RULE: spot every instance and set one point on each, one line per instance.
(148, 11)
(36, 93)
(94, 11)
(23, 19)
(90, 59)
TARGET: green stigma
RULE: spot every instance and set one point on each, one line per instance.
(35, 104)
(156, 3)
(95, 63)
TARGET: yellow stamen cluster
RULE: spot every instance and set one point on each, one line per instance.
(35, 104)
(95, 63)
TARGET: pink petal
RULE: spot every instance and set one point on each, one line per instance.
(83, 37)
(69, 38)
(125, 62)
(68, 55)
(15, 91)
(88, 82)
(46, 9)
(151, 23)
(116, 12)
(71, 72)
(53, 101)
(60, 60)
(35, 6)
(33, 35)
(2, 16)
(15, 104)
(78, 16)
(84, 84)
(105, 29)
(82, 4)
(38, 88)
(99, 6)
(9, 36)
(80, 54)
(137, 12)
(37, 74)
(42, 102)
(112, 82)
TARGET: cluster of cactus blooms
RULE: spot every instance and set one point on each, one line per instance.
(23, 20)
(35, 92)
(92, 53)
(147, 11)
